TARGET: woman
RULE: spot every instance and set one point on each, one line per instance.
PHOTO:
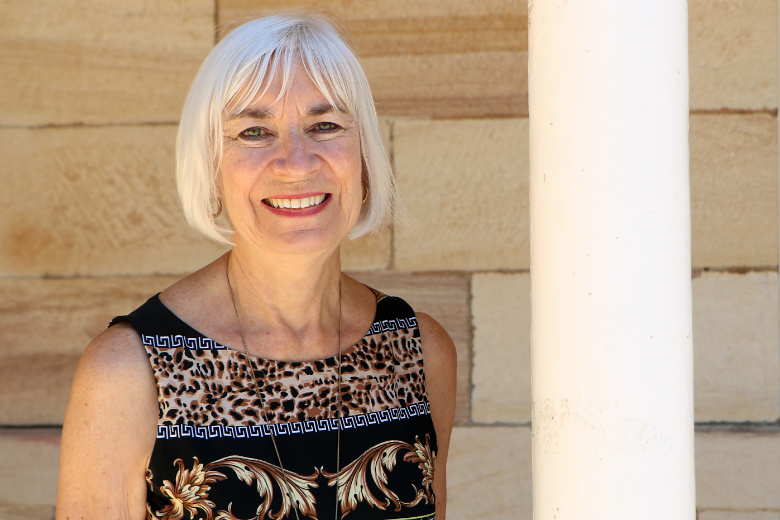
(268, 384)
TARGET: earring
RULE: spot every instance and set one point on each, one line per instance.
(365, 191)
(219, 208)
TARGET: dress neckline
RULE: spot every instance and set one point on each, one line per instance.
(192, 331)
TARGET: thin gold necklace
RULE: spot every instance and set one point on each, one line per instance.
(265, 412)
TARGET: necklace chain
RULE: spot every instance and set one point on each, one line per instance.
(265, 412)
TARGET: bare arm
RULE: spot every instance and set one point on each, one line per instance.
(440, 361)
(109, 431)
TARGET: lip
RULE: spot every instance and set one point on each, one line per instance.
(297, 212)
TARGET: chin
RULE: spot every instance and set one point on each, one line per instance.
(309, 241)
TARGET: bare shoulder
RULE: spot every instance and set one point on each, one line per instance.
(441, 362)
(113, 388)
(436, 343)
(116, 352)
(114, 373)
(109, 429)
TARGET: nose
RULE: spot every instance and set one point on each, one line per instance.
(295, 157)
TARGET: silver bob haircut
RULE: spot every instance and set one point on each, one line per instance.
(241, 67)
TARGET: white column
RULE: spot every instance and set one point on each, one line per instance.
(610, 260)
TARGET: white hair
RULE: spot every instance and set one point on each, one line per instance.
(233, 74)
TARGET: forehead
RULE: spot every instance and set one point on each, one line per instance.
(278, 88)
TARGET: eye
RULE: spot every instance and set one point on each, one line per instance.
(254, 133)
(326, 127)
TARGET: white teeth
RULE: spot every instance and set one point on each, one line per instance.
(305, 202)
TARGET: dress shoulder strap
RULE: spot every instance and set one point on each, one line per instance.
(393, 307)
(146, 318)
(154, 319)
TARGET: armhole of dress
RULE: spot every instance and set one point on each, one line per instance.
(406, 311)
(120, 319)
(147, 350)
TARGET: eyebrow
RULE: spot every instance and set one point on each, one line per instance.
(322, 109)
(252, 113)
(263, 113)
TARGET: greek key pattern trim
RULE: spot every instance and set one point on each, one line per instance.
(177, 341)
(390, 325)
(203, 343)
(174, 431)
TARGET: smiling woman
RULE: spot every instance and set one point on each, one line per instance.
(268, 384)
(262, 57)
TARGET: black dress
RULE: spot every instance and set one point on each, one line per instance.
(214, 457)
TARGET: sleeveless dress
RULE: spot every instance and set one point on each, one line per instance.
(214, 457)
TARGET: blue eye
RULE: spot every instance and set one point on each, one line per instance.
(256, 132)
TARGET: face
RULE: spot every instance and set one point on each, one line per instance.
(291, 170)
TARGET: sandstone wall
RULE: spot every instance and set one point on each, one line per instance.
(90, 92)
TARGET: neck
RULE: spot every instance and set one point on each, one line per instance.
(289, 301)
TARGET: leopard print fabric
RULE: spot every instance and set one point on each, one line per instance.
(202, 382)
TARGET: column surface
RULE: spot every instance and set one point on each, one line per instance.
(610, 260)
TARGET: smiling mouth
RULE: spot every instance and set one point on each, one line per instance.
(302, 203)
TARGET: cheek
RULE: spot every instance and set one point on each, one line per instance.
(235, 185)
(355, 161)
(235, 161)
(239, 170)
(354, 180)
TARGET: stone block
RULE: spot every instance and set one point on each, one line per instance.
(489, 473)
(451, 59)
(734, 199)
(27, 512)
(501, 313)
(466, 186)
(733, 54)
(735, 335)
(737, 470)
(100, 61)
(444, 296)
(367, 253)
(451, 86)
(95, 201)
(738, 515)
(29, 461)
(44, 327)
